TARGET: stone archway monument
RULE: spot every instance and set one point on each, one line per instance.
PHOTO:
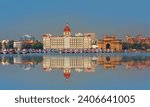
(111, 43)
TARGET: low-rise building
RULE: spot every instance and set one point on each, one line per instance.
(4, 44)
(138, 39)
(17, 44)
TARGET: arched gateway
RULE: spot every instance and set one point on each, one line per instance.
(108, 46)
(110, 43)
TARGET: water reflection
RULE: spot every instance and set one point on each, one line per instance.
(77, 63)
(138, 62)
(110, 62)
(26, 62)
(70, 63)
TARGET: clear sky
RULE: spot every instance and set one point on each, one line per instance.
(36, 17)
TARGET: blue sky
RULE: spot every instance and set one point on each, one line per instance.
(36, 17)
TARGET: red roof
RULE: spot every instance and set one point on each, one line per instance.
(67, 75)
(67, 28)
(138, 39)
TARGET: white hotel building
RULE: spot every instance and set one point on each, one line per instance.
(67, 41)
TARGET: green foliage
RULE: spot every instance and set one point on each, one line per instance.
(26, 46)
(10, 44)
(37, 45)
(137, 46)
(125, 46)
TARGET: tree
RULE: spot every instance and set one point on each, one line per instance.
(37, 45)
(26, 46)
(10, 44)
(125, 46)
(137, 46)
(145, 46)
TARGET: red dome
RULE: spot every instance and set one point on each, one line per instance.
(67, 75)
(67, 28)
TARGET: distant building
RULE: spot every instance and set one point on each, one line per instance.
(5, 44)
(110, 43)
(28, 39)
(18, 44)
(67, 41)
(138, 39)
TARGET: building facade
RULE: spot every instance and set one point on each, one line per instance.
(67, 41)
(110, 43)
(4, 44)
(17, 44)
(138, 39)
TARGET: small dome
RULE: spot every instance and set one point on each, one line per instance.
(67, 28)
(67, 75)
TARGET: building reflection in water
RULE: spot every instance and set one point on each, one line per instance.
(138, 62)
(109, 62)
(67, 64)
(26, 62)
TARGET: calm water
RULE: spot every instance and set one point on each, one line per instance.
(75, 71)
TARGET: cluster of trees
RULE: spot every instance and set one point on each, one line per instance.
(137, 46)
(36, 45)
